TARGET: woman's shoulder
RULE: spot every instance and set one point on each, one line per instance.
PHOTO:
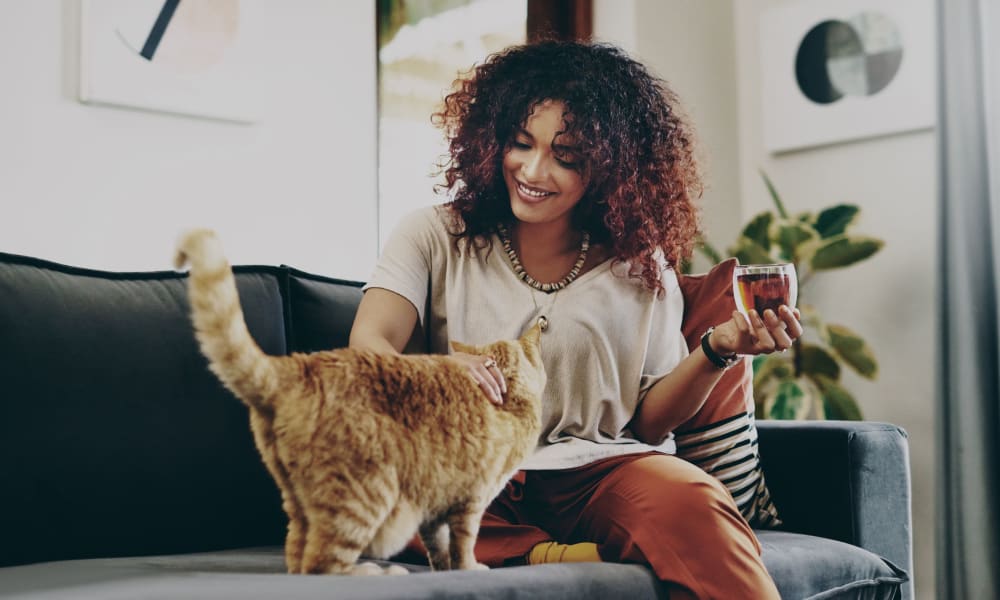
(446, 218)
(632, 273)
(435, 221)
(669, 280)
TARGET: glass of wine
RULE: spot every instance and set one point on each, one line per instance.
(761, 287)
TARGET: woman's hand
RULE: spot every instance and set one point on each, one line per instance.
(762, 335)
(485, 372)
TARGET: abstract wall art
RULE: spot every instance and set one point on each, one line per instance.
(838, 71)
(188, 57)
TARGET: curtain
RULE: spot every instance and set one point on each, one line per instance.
(969, 366)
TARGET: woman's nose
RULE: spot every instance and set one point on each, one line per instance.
(533, 168)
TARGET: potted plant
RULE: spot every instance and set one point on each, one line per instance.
(806, 381)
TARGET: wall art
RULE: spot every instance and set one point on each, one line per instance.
(192, 57)
(845, 70)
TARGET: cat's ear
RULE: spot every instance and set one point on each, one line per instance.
(533, 335)
(460, 347)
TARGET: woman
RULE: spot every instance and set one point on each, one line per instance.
(572, 179)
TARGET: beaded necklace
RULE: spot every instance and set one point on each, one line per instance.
(531, 281)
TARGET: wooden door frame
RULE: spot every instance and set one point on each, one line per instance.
(560, 19)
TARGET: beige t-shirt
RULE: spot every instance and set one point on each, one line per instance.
(609, 339)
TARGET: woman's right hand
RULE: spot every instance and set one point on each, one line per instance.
(485, 372)
(384, 323)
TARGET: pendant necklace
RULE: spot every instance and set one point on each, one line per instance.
(542, 320)
(548, 288)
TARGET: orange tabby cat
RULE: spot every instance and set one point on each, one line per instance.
(367, 448)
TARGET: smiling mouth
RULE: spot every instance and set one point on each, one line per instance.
(531, 192)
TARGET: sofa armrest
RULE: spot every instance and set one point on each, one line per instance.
(845, 480)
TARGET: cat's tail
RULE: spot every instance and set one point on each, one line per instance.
(219, 326)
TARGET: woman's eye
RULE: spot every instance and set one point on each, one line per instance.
(569, 164)
(520, 145)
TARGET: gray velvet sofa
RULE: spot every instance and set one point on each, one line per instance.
(128, 472)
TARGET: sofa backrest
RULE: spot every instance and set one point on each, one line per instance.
(115, 439)
(319, 310)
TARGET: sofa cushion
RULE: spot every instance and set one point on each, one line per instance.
(115, 438)
(722, 437)
(320, 310)
(804, 567)
(815, 568)
(258, 574)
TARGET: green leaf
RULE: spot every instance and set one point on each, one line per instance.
(812, 319)
(774, 196)
(790, 235)
(805, 217)
(842, 250)
(853, 350)
(819, 406)
(816, 361)
(834, 220)
(770, 366)
(838, 402)
(757, 230)
(749, 252)
(790, 401)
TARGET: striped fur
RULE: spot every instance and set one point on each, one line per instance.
(727, 450)
(368, 449)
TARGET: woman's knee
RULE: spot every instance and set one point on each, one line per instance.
(670, 484)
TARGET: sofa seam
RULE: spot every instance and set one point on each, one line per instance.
(850, 485)
(859, 583)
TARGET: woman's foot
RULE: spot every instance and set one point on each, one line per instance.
(554, 552)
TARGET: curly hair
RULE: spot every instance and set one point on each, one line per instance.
(636, 149)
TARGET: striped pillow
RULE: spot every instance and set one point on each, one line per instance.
(722, 438)
(727, 450)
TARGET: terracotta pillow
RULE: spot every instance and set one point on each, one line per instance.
(722, 437)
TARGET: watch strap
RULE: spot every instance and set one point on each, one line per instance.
(720, 361)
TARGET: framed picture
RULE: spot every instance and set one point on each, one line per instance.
(188, 58)
(845, 70)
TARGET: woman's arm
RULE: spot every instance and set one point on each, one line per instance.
(384, 322)
(676, 397)
(681, 393)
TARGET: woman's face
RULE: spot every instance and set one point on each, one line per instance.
(540, 171)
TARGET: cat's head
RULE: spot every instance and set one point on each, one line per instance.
(519, 360)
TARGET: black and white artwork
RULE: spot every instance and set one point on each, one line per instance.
(839, 71)
(191, 57)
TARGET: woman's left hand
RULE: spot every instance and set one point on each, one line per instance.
(763, 334)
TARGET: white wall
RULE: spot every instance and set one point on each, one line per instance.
(111, 188)
(708, 51)
(889, 299)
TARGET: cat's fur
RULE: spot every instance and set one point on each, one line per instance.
(368, 449)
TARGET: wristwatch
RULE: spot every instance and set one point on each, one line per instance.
(723, 362)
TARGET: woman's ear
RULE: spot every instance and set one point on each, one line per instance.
(533, 335)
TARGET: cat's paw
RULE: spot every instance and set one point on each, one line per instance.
(368, 568)
(479, 567)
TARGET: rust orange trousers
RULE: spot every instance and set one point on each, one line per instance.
(649, 508)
